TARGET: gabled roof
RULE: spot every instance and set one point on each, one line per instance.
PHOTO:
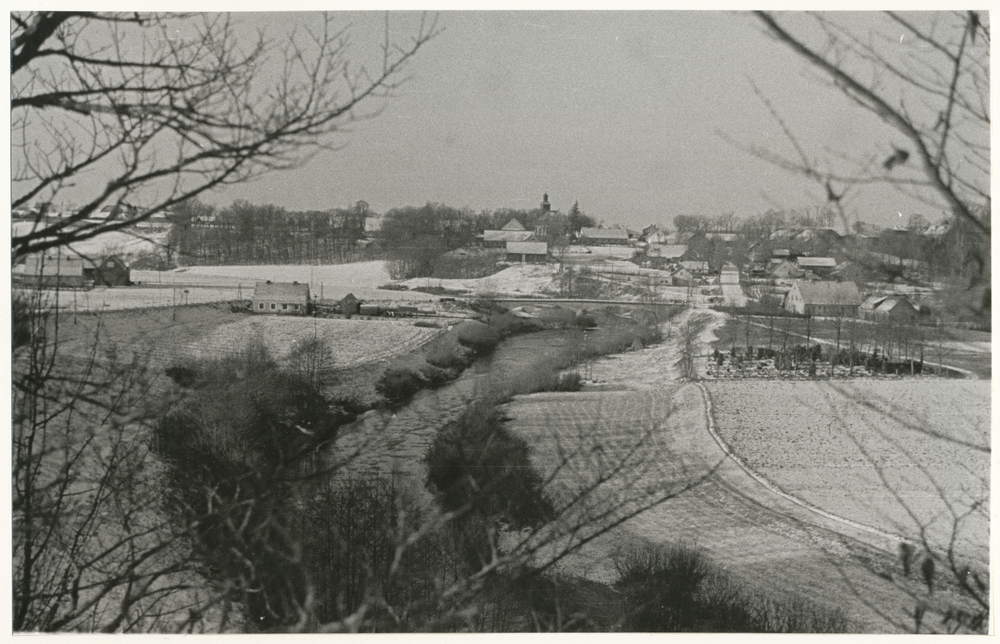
(668, 251)
(507, 235)
(828, 292)
(40, 265)
(528, 248)
(817, 262)
(513, 224)
(873, 301)
(695, 265)
(281, 291)
(604, 233)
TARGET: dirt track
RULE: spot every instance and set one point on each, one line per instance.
(662, 434)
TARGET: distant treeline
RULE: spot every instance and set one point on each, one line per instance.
(245, 233)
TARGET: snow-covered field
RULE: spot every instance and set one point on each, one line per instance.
(332, 281)
(896, 455)
(137, 297)
(351, 342)
(523, 279)
(125, 244)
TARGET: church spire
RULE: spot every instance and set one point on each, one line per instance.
(546, 206)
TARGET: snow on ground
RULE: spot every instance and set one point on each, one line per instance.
(574, 252)
(523, 279)
(125, 244)
(332, 281)
(136, 297)
(351, 342)
(656, 367)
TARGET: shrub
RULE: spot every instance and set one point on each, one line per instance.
(397, 385)
(476, 461)
(671, 588)
(446, 352)
(571, 381)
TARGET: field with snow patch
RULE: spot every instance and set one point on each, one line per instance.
(895, 455)
(352, 342)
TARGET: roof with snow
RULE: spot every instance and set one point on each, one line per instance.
(507, 235)
(280, 291)
(816, 262)
(828, 292)
(604, 233)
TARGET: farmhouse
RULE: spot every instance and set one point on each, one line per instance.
(528, 251)
(891, 308)
(281, 298)
(603, 236)
(823, 298)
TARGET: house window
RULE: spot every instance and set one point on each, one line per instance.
(284, 307)
(261, 305)
(272, 306)
(296, 307)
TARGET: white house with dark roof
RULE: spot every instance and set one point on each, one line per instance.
(281, 298)
(823, 298)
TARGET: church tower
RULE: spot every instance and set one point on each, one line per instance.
(546, 206)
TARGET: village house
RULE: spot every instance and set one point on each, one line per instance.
(823, 298)
(695, 267)
(786, 270)
(281, 298)
(528, 251)
(683, 277)
(888, 308)
(603, 236)
(653, 235)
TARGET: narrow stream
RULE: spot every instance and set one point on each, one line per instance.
(384, 441)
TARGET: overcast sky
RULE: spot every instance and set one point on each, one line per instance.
(620, 111)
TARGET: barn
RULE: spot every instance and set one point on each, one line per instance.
(281, 298)
(823, 298)
(111, 271)
(891, 308)
(528, 251)
(56, 271)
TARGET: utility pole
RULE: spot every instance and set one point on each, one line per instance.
(173, 308)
